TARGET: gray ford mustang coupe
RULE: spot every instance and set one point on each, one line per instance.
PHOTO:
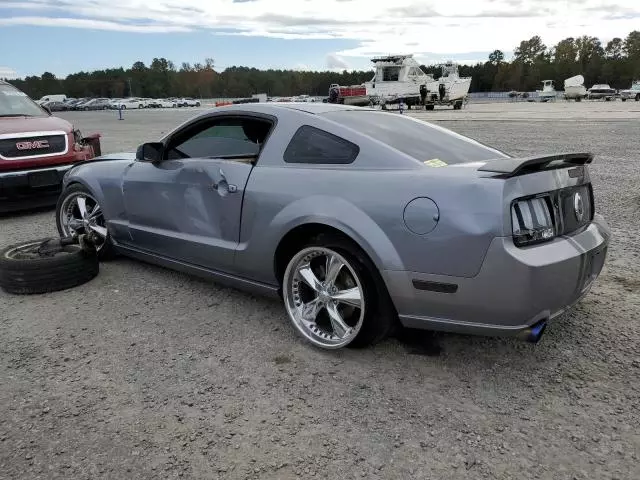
(357, 218)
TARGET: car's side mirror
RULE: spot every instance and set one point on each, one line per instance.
(150, 152)
(46, 109)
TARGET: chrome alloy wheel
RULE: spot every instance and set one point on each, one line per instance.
(80, 214)
(324, 297)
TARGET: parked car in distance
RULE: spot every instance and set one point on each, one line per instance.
(52, 98)
(632, 93)
(96, 104)
(187, 102)
(162, 103)
(36, 149)
(357, 218)
(56, 106)
(128, 103)
(601, 91)
(81, 103)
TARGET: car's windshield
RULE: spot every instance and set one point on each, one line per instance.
(14, 103)
(415, 138)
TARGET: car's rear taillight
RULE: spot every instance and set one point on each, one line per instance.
(533, 221)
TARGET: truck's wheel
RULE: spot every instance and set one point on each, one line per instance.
(638, 97)
(429, 107)
(334, 295)
(40, 266)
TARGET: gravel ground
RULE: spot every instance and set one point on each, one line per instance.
(149, 374)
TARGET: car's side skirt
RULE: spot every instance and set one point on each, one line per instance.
(219, 277)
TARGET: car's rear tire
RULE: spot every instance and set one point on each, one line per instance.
(349, 305)
(41, 266)
(74, 218)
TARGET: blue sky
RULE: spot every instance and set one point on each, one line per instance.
(65, 36)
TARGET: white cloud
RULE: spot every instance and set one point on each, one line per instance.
(7, 73)
(336, 62)
(423, 27)
(91, 24)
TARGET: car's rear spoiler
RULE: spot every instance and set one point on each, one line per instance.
(511, 167)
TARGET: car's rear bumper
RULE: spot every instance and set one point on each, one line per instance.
(515, 288)
(32, 188)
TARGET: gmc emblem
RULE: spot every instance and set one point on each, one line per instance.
(36, 144)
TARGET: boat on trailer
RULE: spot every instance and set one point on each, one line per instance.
(399, 79)
(574, 88)
(548, 91)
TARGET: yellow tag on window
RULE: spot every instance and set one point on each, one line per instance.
(435, 162)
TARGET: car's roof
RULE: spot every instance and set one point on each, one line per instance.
(274, 108)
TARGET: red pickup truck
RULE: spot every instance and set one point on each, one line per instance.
(36, 149)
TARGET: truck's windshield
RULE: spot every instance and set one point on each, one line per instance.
(14, 103)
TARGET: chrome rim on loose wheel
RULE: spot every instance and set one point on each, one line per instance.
(80, 214)
(32, 251)
(324, 297)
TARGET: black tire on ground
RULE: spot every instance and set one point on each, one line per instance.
(380, 317)
(429, 107)
(27, 272)
(638, 97)
(107, 252)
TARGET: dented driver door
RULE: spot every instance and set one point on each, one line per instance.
(187, 210)
(186, 205)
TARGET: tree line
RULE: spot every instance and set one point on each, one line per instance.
(616, 63)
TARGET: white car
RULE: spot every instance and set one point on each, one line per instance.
(128, 103)
(632, 93)
(165, 103)
(188, 102)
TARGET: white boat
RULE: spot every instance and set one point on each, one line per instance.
(455, 87)
(399, 79)
(574, 88)
(548, 91)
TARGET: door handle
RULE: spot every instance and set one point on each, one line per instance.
(222, 186)
(226, 186)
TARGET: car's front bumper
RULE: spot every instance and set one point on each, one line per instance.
(36, 187)
(515, 288)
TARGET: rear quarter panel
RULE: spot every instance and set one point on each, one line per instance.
(366, 200)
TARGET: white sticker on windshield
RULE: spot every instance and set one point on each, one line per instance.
(435, 162)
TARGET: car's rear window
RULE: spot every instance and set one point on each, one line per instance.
(420, 140)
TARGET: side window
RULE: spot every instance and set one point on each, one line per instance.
(391, 74)
(312, 145)
(220, 138)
